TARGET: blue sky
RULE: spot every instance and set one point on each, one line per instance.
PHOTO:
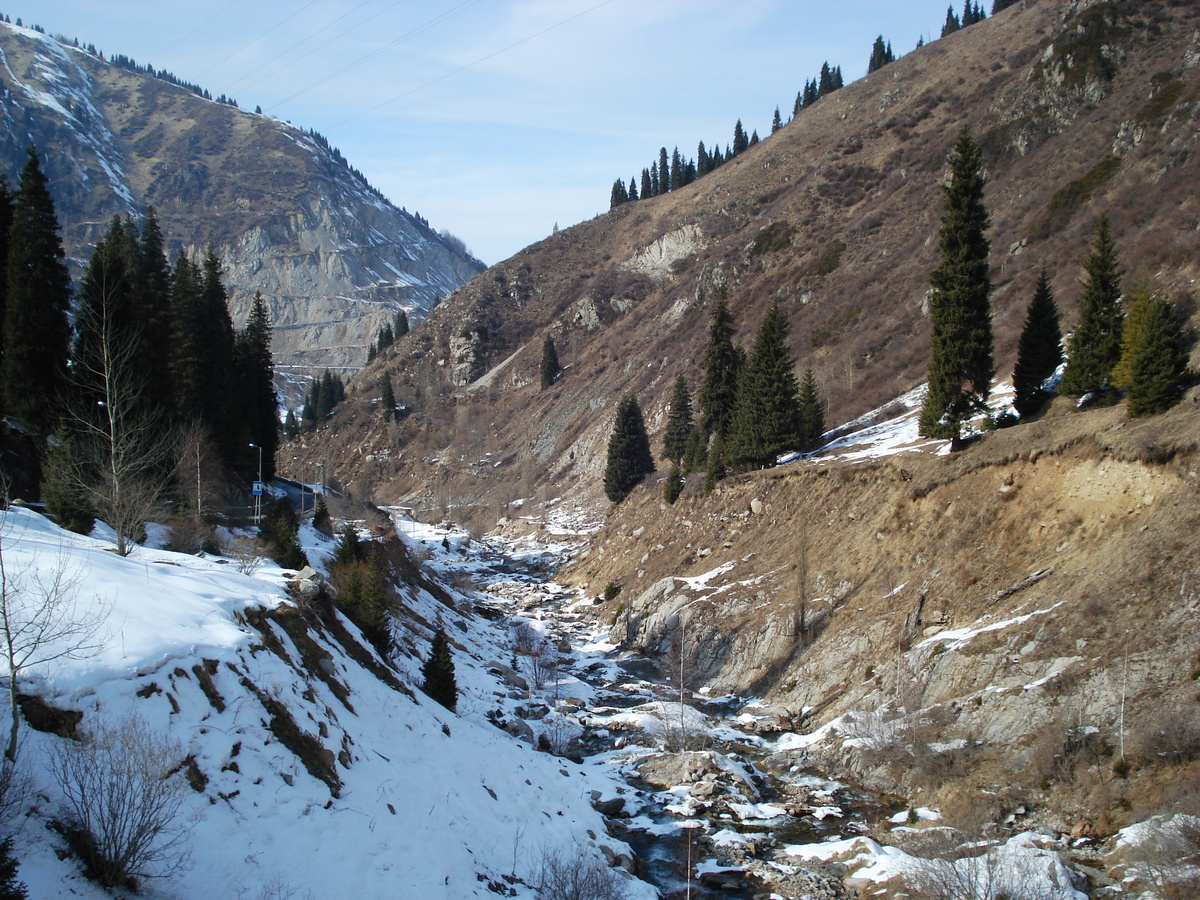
(497, 119)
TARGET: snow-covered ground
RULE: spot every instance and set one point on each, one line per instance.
(430, 804)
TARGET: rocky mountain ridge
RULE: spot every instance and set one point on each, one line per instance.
(284, 212)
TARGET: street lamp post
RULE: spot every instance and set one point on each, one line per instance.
(258, 488)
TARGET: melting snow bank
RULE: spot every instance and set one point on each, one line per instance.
(314, 768)
(1016, 868)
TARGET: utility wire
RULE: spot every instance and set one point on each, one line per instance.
(201, 26)
(251, 43)
(305, 40)
(420, 29)
(470, 65)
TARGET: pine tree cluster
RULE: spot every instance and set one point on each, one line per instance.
(389, 334)
(151, 348)
(672, 171)
(320, 399)
(881, 55)
(972, 13)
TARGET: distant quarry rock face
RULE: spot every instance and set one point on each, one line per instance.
(285, 213)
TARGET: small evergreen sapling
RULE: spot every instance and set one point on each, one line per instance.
(550, 366)
(438, 672)
(1039, 352)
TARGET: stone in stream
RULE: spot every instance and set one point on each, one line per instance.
(729, 880)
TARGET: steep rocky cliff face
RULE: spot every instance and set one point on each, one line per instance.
(1081, 108)
(286, 215)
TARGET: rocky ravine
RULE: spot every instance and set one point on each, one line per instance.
(1034, 594)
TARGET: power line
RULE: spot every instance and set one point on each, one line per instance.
(251, 43)
(201, 26)
(420, 29)
(470, 65)
(304, 40)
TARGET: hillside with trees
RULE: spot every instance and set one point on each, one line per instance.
(835, 217)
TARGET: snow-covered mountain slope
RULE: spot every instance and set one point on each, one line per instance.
(284, 212)
(315, 769)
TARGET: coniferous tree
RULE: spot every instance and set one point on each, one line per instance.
(716, 467)
(1095, 346)
(952, 24)
(999, 5)
(673, 486)
(703, 161)
(960, 341)
(825, 80)
(741, 140)
(798, 105)
(676, 170)
(811, 93)
(812, 412)
(550, 366)
(321, 521)
(1133, 327)
(836, 75)
(255, 385)
(881, 55)
(664, 171)
(754, 137)
(776, 122)
(400, 325)
(721, 365)
(291, 427)
(629, 457)
(655, 189)
(10, 887)
(349, 548)
(6, 216)
(696, 454)
(187, 340)
(387, 398)
(679, 423)
(647, 190)
(633, 191)
(1039, 351)
(766, 417)
(36, 331)
(619, 194)
(438, 672)
(152, 296)
(1158, 364)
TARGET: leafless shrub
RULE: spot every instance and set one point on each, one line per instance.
(1168, 857)
(123, 788)
(969, 870)
(249, 553)
(526, 639)
(875, 728)
(543, 665)
(1171, 738)
(573, 873)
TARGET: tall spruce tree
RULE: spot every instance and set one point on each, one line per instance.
(679, 423)
(1039, 351)
(1159, 358)
(812, 412)
(960, 341)
(1141, 301)
(255, 380)
(6, 216)
(766, 417)
(777, 121)
(629, 457)
(400, 325)
(438, 672)
(36, 331)
(721, 364)
(188, 374)
(550, 366)
(1095, 346)
(152, 296)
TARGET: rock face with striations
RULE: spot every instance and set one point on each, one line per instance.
(282, 209)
